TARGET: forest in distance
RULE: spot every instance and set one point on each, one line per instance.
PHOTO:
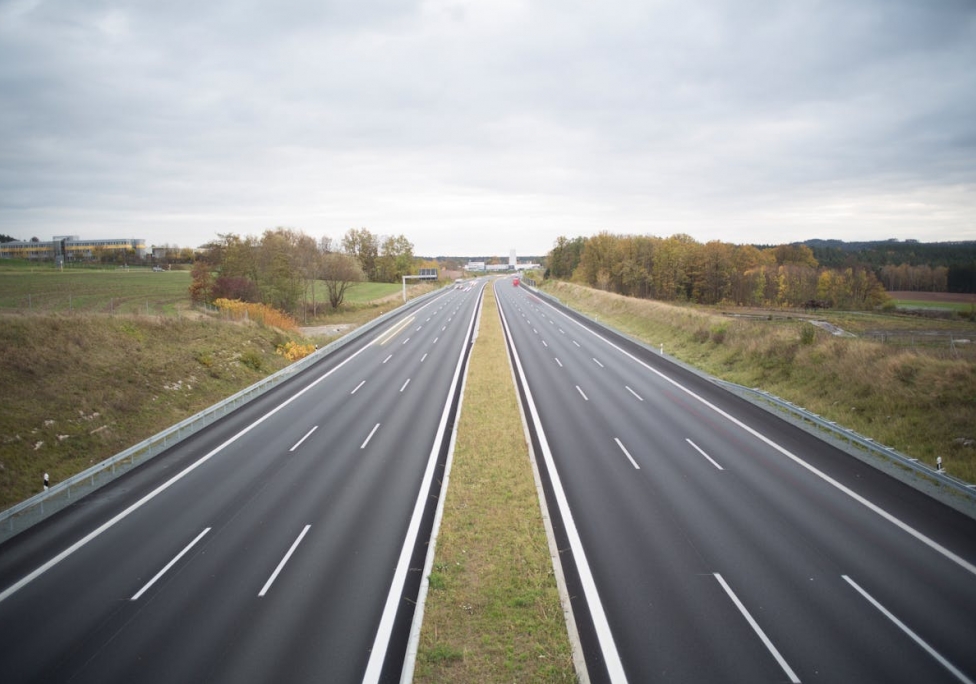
(819, 273)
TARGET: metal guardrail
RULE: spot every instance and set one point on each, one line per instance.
(808, 418)
(856, 440)
(40, 506)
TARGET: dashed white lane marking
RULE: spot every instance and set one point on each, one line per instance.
(699, 450)
(371, 433)
(914, 637)
(758, 630)
(626, 453)
(281, 565)
(173, 562)
(307, 435)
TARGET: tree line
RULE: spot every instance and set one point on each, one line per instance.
(280, 268)
(679, 268)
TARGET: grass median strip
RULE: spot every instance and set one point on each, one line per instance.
(493, 612)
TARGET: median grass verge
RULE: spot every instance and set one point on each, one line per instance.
(493, 612)
(919, 399)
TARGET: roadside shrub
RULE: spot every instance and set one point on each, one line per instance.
(252, 359)
(294, 351)
(260, 313)
(700, 335)
(719, 332)
(808, 335)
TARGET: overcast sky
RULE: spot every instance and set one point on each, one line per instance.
(476, 127)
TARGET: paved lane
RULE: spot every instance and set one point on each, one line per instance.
(273, 555)
(725, 544)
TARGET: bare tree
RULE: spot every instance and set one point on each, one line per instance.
(340, 271)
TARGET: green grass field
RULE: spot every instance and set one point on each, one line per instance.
(42, 288)
(119, 291)
(363, 293)
(961, 307)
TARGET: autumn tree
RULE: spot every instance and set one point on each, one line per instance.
(395, 260)
(670, 259)
(340, 272)
(363, 245)
(564, 257)
(201, 280)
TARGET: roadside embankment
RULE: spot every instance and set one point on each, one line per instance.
(76, 389)
(920, 400)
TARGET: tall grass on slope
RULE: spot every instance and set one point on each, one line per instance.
(76, 389)
(493, 611)
(921, 402)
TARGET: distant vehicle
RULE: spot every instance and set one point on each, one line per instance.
(157, 268)
(515, 282)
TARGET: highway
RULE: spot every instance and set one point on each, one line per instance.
(280, 544)
(706, 540)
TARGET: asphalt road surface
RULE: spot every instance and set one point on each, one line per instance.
(278, 545)
(706, 540)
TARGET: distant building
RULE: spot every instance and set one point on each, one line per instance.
(70, 248)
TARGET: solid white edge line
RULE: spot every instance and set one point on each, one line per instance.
(381, 643)
(639, 397)
(611, 658)
(576, 646)
(413, 641)
(363, 382)
(699, 450)
(27, 579)
(626, 453)
(371, 433)
(166, 567)
(758, 630)
(281, 565)
(914, 637)
(307, 435)
(905, 527)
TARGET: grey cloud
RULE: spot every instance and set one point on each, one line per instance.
(568, 118)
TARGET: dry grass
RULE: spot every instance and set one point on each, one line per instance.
(493, 611)
(78, 388)
(920, 400)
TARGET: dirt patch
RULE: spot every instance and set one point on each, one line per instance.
(331, 330)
